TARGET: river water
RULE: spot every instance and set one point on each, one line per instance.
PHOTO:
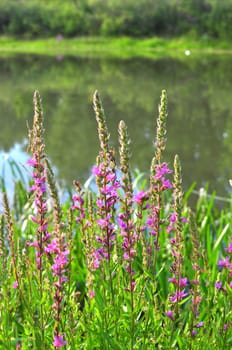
(199, 106)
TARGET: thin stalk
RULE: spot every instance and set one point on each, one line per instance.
(132, 325)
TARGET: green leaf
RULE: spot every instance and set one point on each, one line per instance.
(220, 238)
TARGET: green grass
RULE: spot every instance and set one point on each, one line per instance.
(114, 47)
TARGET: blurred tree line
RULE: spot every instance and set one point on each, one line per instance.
(137, 18)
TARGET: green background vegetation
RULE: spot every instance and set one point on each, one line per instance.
(36, 18)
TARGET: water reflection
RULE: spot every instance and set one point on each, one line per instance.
(12, 167)
(199, 122)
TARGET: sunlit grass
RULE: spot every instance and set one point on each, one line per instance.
(115, 47)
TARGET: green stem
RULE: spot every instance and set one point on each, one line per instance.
(132, 310)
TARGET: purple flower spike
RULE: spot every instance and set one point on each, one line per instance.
(161, 171)
(226, 264)
(173, 217)
(97, 171)
(106, 200)
(166, 183)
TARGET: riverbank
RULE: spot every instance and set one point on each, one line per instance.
(115, 47)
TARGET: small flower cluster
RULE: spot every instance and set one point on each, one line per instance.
(126, 226)
(159, 184)
(58, 249)
(226, 264)
(160, 176)
(39, 189)
(59, 341)
(141, 200)
(196, 328)
(172, 221)
(178, 280)
(108, 185)
(128, 245)
(86, 227)
(180, 284)
(79, 208)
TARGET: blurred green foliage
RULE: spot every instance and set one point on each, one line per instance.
(36, 18)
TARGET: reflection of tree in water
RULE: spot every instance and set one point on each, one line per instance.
(199, 109)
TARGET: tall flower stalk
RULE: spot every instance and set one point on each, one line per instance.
(226, 266)
(224, 286)
(59, 250)
(3, 249)
(178, 281)
(85, 223)
(158, 184)
(11, 240)
(195, 290)
(125, 220)
(37, 148)
(105, 173)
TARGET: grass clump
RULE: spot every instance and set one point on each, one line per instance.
(125, 266)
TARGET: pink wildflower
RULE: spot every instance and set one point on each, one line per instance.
(170, 314)
(218, 285)
(32, 162)
(140, 197)
(15, 285)
(161, 171)
(91, 294)
(224, 263)
(58, 341)
(199, 324)
(178, 296)
(229, 249)
(182, 282)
